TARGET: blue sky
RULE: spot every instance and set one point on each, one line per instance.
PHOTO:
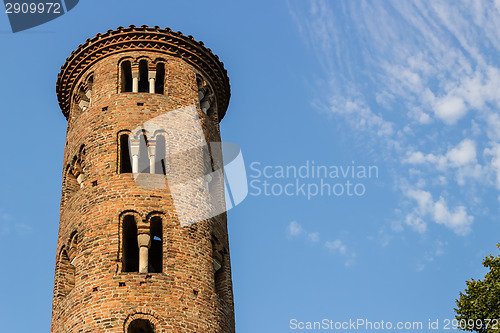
(411, 88)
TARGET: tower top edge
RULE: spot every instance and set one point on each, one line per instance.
(144, 38)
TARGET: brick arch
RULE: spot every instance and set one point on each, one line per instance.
(89, 76)
(124, 131)
(87, 81)
(143, 57)
(139, 216)
(153, 214)
(160, 60)
(137, 132)
(72, 245)
(73, 170)
(121, 61)
(158, 132)
(69, 181)
(148, 314)
(82, 153)
(125, 58)
(60, 252)
(82, 95)
(65, 274)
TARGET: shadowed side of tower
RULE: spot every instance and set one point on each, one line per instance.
(127, 260)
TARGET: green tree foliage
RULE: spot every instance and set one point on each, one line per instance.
(478, 308)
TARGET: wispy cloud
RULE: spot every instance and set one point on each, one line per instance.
(337, 246)
(294, 229)
(8, 225)
(438, 211)
(420, 82)
(437, 250)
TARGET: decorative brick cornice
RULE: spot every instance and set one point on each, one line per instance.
(143, 39)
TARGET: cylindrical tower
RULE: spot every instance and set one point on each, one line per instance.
(143, 243)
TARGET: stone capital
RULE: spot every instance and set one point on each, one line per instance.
(144, 240)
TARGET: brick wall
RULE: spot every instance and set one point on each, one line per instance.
(102, 298)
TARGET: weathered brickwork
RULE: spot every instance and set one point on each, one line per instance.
(92, 290)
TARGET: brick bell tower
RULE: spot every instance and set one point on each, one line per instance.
(136, 251)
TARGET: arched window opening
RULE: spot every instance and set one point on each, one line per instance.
(81, 153)
(124, 151)
(160, 157)
(73, 246)
(141, 326)
(77, 170)
(66, 274)
(201, 89)
(205, 95)
(73, 239)
(143, 76)
(88, 89)
(83, 94)
(130, 249)
(71, 182)
(143, 155)
(218, 262)
(160, 78)
(155, 259)
(126, 79)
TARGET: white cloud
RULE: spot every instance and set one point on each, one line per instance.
(458, 220)
(455, 219)
(337, 246)
(419, 82)
(416, 222)
(361, 117)
(450, 109)
(493, 129)
(313, 237)
(494, 152)
(294, 229)
(464, 153)
(461, 158)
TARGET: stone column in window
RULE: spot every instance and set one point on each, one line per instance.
(135, 78)
(152, 158)
(89, 95)
(205, 105)
(78, 173)
(134, 150)
(83, 104)
(152, 78)
(144, 242)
